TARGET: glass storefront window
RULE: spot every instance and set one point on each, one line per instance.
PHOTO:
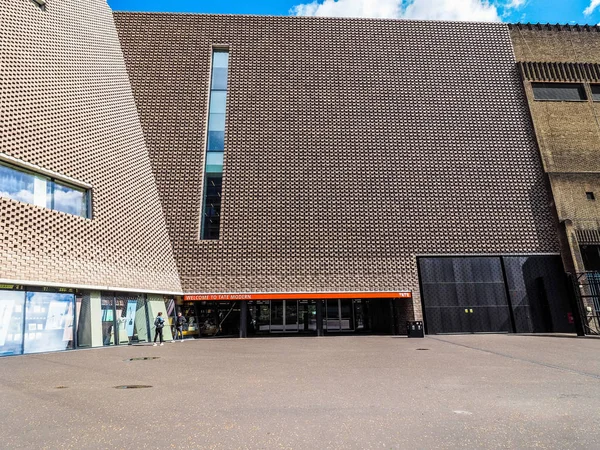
(132, 319)
(48, 322)
(263, 319)
(32, 322)
(307, 316)
(108, 319)
(218, 318)
(11, 322)
(84, 306)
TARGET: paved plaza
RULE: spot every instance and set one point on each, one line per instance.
(377, 392)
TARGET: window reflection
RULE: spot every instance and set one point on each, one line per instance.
(132, 319)
(48, 322)
(70, 200)
(27, 187)
(24, 186)
(219, 78)
(218, 101)
(216, 141)
(595, 92)
(221, 59)
(11, 322)
(216, 122)
(559, 91)
(215, 146)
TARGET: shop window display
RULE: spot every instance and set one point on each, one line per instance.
(48, 322)
(108, 319)
(132, 319)
(11, 322)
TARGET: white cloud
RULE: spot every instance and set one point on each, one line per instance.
(22, 195)
(350, 8)
(590, 9)
(473, 10)
(469, 10)
(515, 4)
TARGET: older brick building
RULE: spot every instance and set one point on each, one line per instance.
(560, 67)
(567, 128)
(268, 175)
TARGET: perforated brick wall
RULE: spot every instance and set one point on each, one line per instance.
(351, 147)
(66, 105)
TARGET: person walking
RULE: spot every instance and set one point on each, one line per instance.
(159, 323)
(179, 322)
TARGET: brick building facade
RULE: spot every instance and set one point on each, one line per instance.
(554, 60)
(567, 130)
(355, 174)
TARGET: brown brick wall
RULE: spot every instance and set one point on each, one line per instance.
(569, 190)
(66, 105)
(551, 43)
(351, 147)
(568, 133)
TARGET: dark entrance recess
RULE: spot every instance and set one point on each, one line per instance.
(248, 318)
(317, 317)
(591, 257)
(523, 294)
(212, 318)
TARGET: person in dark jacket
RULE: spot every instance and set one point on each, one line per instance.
(179, 323)
(159, 324)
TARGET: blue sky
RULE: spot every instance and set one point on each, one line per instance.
(553, 11)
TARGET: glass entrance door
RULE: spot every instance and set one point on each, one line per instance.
(346, 315)
(291, 315)
(339, 315)
(307, 316)
(284, 316)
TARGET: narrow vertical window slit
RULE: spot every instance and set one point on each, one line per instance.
(215, 146)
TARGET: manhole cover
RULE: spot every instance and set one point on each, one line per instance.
(133, 386)
(143, 358)
(422, 349)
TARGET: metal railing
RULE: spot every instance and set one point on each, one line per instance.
(586, 286)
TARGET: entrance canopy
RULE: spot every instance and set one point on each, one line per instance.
(297, 295)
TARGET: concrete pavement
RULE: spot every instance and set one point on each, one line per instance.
(379, 392)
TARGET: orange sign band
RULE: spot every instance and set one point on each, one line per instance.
(298, 296)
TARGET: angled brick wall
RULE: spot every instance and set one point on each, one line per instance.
(351, 147)
(66, 105)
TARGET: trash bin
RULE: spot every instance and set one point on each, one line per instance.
(414, 329)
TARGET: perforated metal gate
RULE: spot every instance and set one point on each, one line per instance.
(523, 294)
